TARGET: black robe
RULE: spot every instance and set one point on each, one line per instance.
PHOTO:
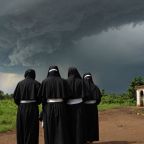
(54, 114)
(27, 114)
(91, 92)
(74, 111)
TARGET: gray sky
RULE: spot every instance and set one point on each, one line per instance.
(104, 37)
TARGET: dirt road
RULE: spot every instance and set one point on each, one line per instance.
(117, 126)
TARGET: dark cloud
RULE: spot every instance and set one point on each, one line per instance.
(39, 33)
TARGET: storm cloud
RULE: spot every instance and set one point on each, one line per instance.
(100, 36)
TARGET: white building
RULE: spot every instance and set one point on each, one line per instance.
(140, 95)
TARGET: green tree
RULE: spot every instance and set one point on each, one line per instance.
(5, 96)
(1, 94)
(137, 81)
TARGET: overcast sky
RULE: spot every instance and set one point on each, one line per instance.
(104, 37)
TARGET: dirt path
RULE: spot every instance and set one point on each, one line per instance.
(117, 126)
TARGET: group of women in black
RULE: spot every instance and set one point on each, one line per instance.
(69, 108)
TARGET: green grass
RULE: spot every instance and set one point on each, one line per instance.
(105, 106)
(8, 110)
(7, 115)
(113, 101)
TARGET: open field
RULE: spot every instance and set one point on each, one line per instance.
(117, 126)
(7, 115)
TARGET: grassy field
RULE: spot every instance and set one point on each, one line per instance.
(105, 106)
(8, 113)
(102, 107)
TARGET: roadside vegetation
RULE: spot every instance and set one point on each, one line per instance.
(7, 115)
(108, 101)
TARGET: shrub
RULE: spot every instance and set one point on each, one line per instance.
(117, 99)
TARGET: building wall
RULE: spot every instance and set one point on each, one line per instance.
(140, 97)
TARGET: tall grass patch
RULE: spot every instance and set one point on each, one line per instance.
(7, 115)
(110, 101)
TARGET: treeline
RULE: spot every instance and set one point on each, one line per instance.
(127, 98)
(5, 96)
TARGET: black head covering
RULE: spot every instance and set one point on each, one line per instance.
(88, 77)
(30, 73)
(73, 72)
(91, 91)
(53, 71)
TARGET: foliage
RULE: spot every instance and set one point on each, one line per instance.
(137, 81)
(105, 106)
(1, 94)
(110, 101)
(5, 96)
(8, 110)
(122, 99)
(7, 115)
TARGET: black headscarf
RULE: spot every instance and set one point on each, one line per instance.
(53, 71)
(91, 91)
(30, 73)
(73, 72)
(88, 77)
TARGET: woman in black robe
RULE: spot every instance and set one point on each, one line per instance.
(25, 96)
(91, 97)
(53, 95)
(74, 106)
